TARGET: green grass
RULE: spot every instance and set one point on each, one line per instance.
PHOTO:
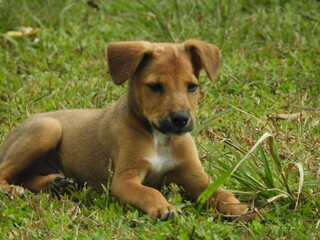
(270, 65)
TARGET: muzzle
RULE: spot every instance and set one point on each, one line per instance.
(176, 123)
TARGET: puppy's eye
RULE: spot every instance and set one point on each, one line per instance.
(192, 87)
(155, 87)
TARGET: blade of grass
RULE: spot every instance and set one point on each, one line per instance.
(275, 198)
(301, 181)
(267, 169)
(276, 158)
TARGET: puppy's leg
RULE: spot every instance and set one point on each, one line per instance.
(147, 199)
(24, 146)
(194, 180)
(126, 186)
(56, 183)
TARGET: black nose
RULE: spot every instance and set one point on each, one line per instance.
(179, 119)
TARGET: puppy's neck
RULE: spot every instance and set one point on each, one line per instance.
(137, 114)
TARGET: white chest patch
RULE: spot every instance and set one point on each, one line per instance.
(163, 160)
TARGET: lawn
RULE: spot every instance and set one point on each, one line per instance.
(257, 132)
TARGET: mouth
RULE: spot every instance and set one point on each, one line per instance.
(167, 128)
(169, 132)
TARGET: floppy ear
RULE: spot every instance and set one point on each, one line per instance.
(203, 55)
(124, 58)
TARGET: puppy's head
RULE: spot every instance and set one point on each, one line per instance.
(164, 79)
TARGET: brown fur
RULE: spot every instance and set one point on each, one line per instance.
(145, 134)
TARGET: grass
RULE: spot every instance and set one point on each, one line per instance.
(270, 65)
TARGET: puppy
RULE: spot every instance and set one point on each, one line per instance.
(144, 136)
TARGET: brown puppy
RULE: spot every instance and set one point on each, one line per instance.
(144, 135)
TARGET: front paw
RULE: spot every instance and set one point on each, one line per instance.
(242, 212)
(163, 212)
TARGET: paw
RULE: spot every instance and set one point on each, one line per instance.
(163, 212)
(243, 212)
(250, 216)
(12, 190)
(60, 186)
